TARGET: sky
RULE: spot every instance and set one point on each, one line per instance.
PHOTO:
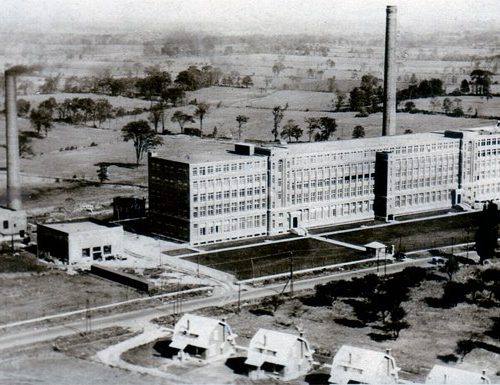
(241, 16)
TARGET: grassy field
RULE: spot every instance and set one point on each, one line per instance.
(20, 263)
(418, 235)
(26, 296)
(276, 257)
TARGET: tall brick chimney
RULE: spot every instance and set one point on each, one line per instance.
(390, 73)
(13, 163)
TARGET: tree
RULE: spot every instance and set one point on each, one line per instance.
(451, 266)
(278, 114)
(341, 96)
(41, 118)
(358, 132)
(103, 110)
(487, 232)
(181, 118)
(291, 130)
(396, 321)
(201, 111)
(247, 81)
(278, 67)
(241, 119)
(447, 105)
(327, 127)
(142, 136)
(410, 106)
(156, 114)
(481, 80)
(102, 173)
(464, 87)
(312, 126)
(155, 82)
(173, 95)
(23, 107)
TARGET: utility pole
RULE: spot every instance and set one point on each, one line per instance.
(253, 270)
(291, 273)
(197, 265)
(239, 297)
(88, 319)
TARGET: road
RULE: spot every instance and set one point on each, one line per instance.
(138, 318)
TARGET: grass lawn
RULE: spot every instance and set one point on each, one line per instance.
(274, 258)
(418, 235)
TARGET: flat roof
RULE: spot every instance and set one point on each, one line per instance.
(76, 227)
(192, 150)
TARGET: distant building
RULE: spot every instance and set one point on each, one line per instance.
(281, 355)
(226, 193)
(128, 208)
(352, 365)
(82, 242)
(440, 374)
(202, 337)
(13, 224)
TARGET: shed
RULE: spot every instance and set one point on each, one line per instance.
(441, 374)
(353, 365)
(376, 249)
(202, 337)
(281, 355)
(80, 242)
(13, 224)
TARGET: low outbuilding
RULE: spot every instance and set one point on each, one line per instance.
(353, 365)
(280, 355)
(82, 242)
(13, 224)
(203, 338)
(441, 374)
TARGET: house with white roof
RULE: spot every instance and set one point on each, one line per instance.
(279, 355)
(353, 365)
(441, 374)
(202, 337)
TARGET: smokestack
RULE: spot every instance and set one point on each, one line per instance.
(13, 168)
(389, 122)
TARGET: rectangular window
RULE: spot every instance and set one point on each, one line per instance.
(5, 224)
(86, 252)
(107, 249)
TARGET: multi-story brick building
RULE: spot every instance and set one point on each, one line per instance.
(245, 191)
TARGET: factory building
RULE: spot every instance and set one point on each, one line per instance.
(80, 243)
(228, 193)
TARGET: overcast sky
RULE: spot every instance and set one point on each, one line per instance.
(242, 16)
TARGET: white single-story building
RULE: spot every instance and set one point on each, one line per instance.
(441, 374)
(82, 242)
(13, 224)
(353, 365)
(281, 355)
(202, 337)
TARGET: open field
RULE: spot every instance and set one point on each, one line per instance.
(276, 258)
(418, 235)
(26, 295)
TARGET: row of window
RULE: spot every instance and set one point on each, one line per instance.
(242, 166)
(227, 208)
(226, 194)
(424, 182)
(97, 251)
(242, 179)
(229, 225)
(421, 198)
(320, 196)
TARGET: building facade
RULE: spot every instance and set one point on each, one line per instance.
(251, 191)
(83, 242)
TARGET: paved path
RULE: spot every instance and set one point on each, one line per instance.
(338, 243)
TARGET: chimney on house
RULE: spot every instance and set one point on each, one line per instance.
(13, 163)
(390, 73)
